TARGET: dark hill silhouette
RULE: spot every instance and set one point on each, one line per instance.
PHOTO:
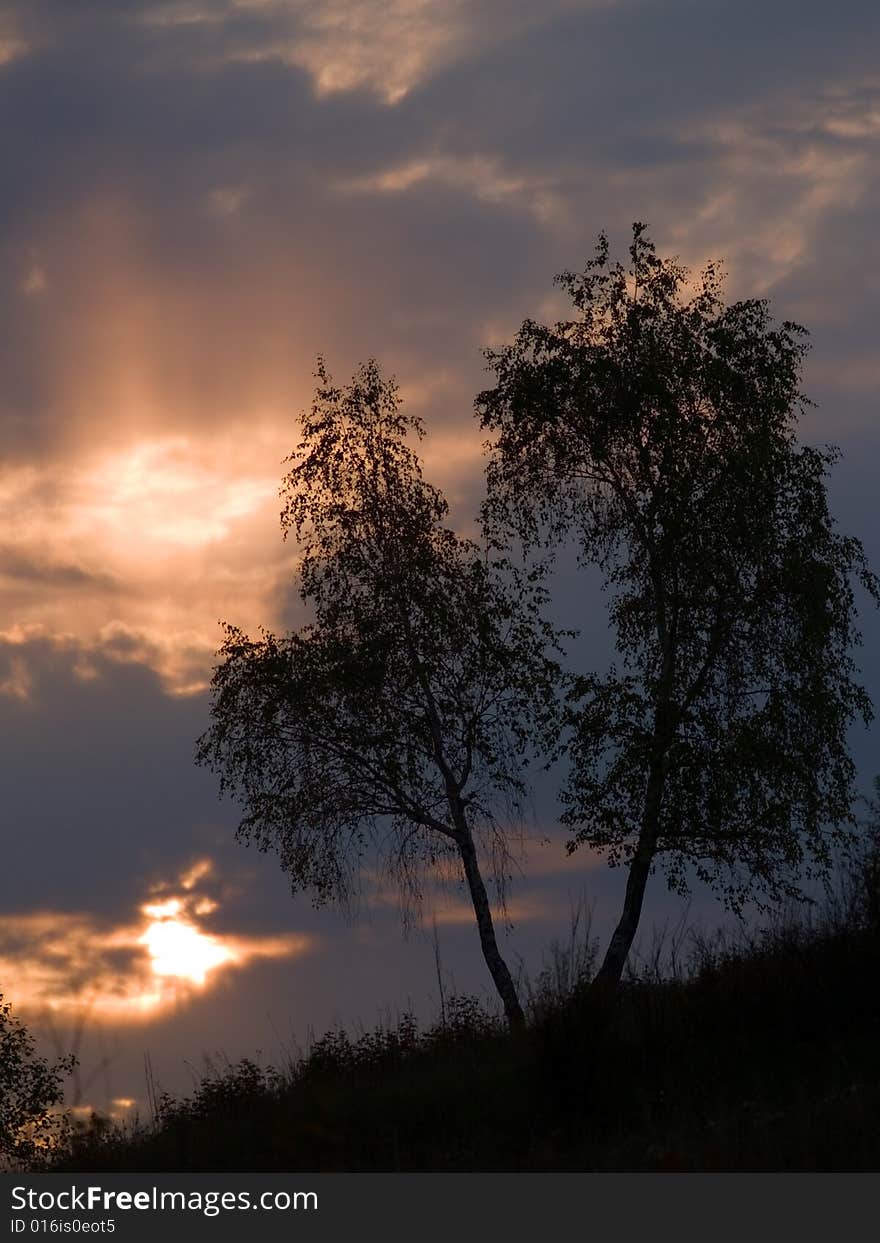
(757, 1055)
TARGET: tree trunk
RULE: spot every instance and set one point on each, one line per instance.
(608, 976)
(496, 964)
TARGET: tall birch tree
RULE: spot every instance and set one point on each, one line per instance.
(657, 427)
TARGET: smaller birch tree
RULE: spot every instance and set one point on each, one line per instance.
(397, 723)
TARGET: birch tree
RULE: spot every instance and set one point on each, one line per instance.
(658, 428)
(397, 723)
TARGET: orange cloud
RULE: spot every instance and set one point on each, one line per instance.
(155, 542)
(136, 554)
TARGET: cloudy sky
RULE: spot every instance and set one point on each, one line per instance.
(199, 197)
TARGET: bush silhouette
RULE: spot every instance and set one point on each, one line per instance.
(30, 1089)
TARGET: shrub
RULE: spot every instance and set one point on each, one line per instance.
(30, 1089)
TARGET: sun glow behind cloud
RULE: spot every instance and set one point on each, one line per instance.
(154, 542)
(168, 367)
(159, 495)
(178, 949)
(66, 963)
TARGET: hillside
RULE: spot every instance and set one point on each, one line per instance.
(761, 1055)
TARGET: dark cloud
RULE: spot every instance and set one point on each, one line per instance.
(99, 785)
(52, 575)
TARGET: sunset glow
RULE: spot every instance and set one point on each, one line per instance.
(142, 533)
(67, 963)
(179, 950)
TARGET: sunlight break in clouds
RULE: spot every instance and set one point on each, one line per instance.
(178, 949)
(69, 963)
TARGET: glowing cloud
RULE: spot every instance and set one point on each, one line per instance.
(163, 497)
(64, 962)
(180, 950)
(152, 539)
(198, 871)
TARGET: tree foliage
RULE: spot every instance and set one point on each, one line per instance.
(397, 723)
(659, 427)
(30, 1088)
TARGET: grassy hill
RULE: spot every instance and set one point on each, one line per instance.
(759, 1055)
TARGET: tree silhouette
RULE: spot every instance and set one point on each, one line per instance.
(400, 719)
(659, 430)
(30, 1088)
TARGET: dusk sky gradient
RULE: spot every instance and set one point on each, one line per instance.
(198, 198)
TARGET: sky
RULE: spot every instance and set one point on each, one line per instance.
(201, 196)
